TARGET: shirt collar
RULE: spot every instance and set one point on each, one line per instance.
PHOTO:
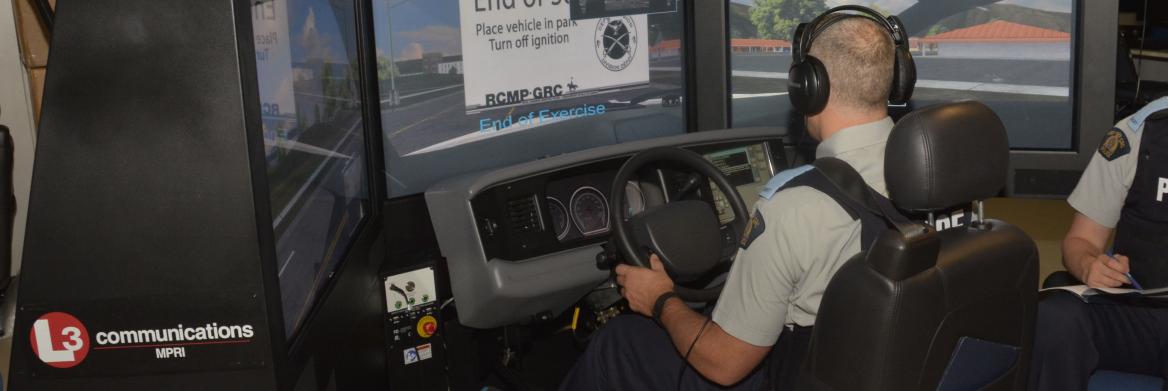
(855, 137)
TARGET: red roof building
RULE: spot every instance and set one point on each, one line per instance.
(746, 45)
(1000, 31)
(737, 45)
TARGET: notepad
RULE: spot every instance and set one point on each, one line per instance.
(1087, 293)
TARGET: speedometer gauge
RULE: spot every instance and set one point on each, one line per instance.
(589, 211)
(559, 217)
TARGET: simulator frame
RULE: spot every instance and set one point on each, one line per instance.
(129, 255)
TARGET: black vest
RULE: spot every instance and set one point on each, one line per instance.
(1142, 232)
(871, 224)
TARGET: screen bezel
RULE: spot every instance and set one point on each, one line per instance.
(1093, 88)
(292, 352)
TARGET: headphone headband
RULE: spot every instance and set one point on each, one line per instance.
(807, 33)
(808, 83)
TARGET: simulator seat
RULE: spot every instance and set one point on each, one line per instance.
(928, 310)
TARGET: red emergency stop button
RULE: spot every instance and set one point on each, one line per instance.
(427, 326)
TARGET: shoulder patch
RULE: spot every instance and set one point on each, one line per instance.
(753, 230)
(1114, 145)
(781, 179)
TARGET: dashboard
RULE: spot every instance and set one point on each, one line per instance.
(521, 242)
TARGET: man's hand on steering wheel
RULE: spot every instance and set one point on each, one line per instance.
(642, 286)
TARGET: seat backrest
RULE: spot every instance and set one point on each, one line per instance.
(961, 315)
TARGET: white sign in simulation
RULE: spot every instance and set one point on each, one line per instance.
(528, 51)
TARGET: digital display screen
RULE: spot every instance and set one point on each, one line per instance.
(748, 168)
(471, 85)
(1016, 56)
(310, 98)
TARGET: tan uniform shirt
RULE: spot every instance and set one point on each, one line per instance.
(779, 278)
(1103, 187)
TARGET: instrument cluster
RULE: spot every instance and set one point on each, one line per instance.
(579, 207)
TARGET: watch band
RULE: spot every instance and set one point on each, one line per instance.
(660, 304)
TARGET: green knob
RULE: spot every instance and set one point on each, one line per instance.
(425, 298)
(397, 305)
(411, 300)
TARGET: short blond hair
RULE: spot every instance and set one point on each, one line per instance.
(858, 55)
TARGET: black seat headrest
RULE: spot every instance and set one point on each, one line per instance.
(946, 155)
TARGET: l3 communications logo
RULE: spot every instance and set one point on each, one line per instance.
(59, 340)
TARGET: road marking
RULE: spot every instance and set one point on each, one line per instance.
(384, 101)
(1020, 89)
(741, 96)
(440, 113)
(760, 74)
(288, 207)
(326, 268)
(286, 262)
(302, 147)
(326, 97)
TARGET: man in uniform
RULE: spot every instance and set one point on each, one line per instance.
(797, 238)
(1124, 189)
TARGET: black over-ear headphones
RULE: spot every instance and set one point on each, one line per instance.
(807, 82)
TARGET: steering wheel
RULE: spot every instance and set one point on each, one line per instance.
(685, 234)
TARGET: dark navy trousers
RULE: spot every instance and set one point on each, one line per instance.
(632, 352)
(1073, 339)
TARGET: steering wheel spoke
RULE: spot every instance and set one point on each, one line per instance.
(685, 232)
(729, 243)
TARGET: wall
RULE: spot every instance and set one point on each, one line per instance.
(1155, 69)
(23, 57)
(16, 112)
(1045, 220)
(1060, 51)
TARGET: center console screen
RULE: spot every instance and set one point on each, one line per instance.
(748, 168)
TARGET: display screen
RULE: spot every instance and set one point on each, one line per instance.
(1013, 55)
(470, 85)
(306, 65)
(748, 168)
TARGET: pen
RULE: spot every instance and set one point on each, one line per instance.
(1133, 282)
(1131, 279)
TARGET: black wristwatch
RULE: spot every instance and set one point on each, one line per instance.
(660, 304)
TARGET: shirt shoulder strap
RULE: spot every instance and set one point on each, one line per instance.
(780, 180)
(1136, 121)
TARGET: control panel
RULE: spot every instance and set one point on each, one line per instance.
(416, 347)
(406, 290)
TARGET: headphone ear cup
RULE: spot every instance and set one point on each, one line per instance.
(904, 77)
(808, 86)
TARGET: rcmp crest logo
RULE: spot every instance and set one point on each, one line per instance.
(616, 42)
(753, 229)
(1114, 145)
